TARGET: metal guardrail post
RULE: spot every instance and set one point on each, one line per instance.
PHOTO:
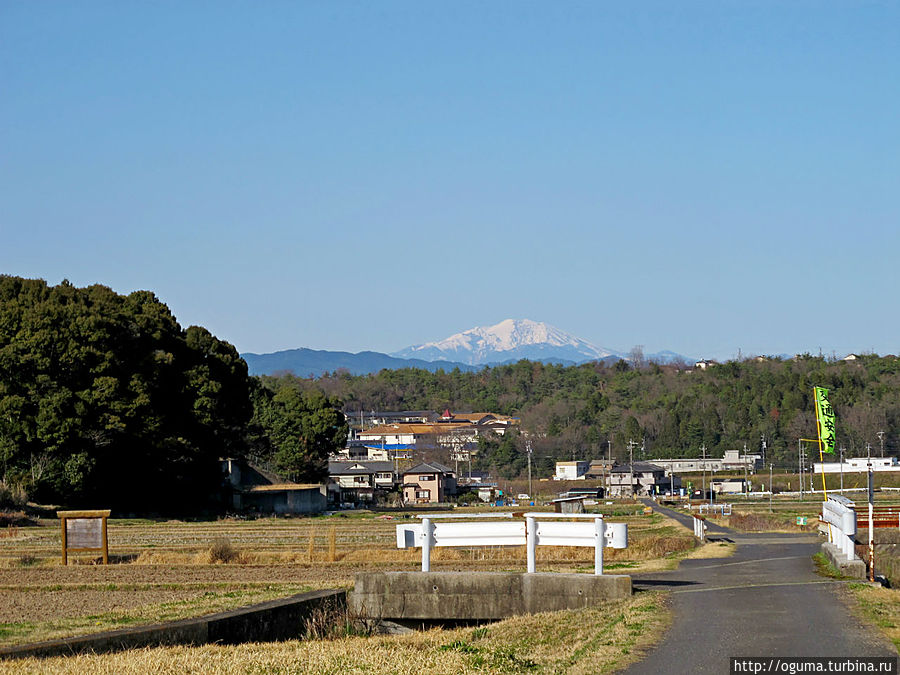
(600, 541)
(531, 543)
(427, 532)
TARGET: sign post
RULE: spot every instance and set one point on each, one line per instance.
(84, 532)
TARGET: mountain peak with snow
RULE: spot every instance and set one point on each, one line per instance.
(509, 340)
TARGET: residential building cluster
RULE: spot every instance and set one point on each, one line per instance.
(377, 465)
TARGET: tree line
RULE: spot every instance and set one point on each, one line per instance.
(106, 399)
(596, 409)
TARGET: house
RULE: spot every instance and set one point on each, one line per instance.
(705, 363)
(253, 488)
(569, 504)
(729, 486)
(283, 498)
(428, 483)
(359, 482)
(419, 436)
(571, 470)
(640, 478)
(733, 460)
(599, 468)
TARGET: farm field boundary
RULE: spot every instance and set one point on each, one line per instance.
(282, 619)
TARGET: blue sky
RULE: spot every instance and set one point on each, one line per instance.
(697, 176)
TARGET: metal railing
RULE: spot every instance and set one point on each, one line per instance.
(537, 529)
(724, 509)
(838, 512)
(700, 527)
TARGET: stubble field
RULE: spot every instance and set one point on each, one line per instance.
(167, 570)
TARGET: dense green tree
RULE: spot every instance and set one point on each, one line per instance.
(300, 429)
(105, 399)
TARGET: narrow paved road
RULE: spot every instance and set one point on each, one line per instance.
(766, 600)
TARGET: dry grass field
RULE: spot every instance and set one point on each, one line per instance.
(166, 570)
(586, 641)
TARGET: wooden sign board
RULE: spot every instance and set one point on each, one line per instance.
(84, 532)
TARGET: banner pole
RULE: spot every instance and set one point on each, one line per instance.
(821, 454)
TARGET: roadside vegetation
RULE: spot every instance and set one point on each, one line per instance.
(881, 607)
(596, 640)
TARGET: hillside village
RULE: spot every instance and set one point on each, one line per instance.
(415, 458)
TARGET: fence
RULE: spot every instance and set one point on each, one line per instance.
(882, 516)
(841, 518)
(724, 509)
(700, 527)
(537, 529)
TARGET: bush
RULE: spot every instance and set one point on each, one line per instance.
(12, 496)
(219, 552)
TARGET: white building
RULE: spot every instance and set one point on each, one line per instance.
(571, 470)
(734, 460)
(858, 465)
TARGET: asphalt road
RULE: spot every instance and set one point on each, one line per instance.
(766, 600)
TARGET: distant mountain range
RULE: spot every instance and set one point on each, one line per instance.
(509, 340)
(311, 362)
(506, 342)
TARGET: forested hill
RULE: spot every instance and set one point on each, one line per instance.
(106, 400)
(573, 411)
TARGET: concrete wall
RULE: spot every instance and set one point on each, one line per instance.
(849, 568)
(276, 620)
(484, 596)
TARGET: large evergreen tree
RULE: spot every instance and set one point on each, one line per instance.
(105, 399)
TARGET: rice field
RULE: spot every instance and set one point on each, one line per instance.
(170, 569)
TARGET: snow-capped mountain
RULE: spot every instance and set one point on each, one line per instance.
(509, 340)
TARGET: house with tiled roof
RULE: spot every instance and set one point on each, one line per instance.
(428, 483)
(359, 482)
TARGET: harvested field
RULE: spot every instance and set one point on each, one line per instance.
(165, 570)
(588, 641)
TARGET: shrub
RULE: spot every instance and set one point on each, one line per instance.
(219, 552)
(12, 495)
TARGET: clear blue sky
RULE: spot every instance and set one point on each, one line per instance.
(702, 177)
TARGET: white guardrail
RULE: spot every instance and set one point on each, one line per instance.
(537, 529)
(724, 509)
(841, 518)
(700, 527)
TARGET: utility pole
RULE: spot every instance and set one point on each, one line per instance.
(800, 460)
(880, 435)
(871, 524)
(609, 449)
(842, 470)
(528, 451)
(771, 488)
(746, 487)
(703, 468)
(631, 445)
(763, 439)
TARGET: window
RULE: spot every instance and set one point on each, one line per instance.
(423, 494)
(426, 478)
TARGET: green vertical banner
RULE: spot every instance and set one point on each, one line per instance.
(825, 418)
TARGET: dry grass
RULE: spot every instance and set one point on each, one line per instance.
(744, 521)
(574, 642)
(879, 606)
(712, 549)
(83, 611)
(243, 556)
